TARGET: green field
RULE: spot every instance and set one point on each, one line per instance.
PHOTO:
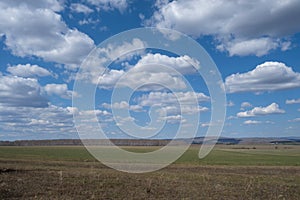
(222, 155)
(228, 172)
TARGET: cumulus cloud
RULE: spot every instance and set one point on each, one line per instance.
(21, 92)
(151, 70)
(254, 122)
(25, 113)
(48, 122)
(88, 21)
(211, 124)
(245, 105)
(269, 76)
(259, 111)
(125, 49)
(295, 120)
(28, 70)
(36, 29)
(174, 119)
(89, 113)
(240, 28)
(59, 89)
(166, 98)
(123, 105)
(96, 64)
(183, 64)
(166, 105)
(80, 8)
(183, 109)
(251, 122)
(169, 102)
(116, 105)
(205, 124)
(32, 4)
(258, 46)
(124, 120)
(107, 5)
(292, 101)
(145, 81)
(53, 121)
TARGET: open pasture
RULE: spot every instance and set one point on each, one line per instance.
(228, 172)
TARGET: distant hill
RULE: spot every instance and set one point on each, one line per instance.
(270, 140)
(77, 142)
(221, 140)
(153, 142)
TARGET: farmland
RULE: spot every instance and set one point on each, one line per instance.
(228, 172)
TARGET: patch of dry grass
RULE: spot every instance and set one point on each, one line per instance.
(33, 178)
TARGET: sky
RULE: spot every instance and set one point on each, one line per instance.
(44, 45)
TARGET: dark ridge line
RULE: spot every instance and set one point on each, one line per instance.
(152, 142)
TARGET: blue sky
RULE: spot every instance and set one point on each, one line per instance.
(255, 45)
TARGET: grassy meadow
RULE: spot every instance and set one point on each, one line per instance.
(228, 172)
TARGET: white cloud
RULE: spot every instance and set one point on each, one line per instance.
(110, 78)
(169, 102)
(292, 101)
(145, 81)
(151, 70)
(241, 28)
(251, 122)
(21, 92)
(59, 89)
(167, 98)
(211, 124)
(205, 124)
(74, 47)
(46, 122)
(230, 104)
(268, 76)
(182, 64)
(36, 29)
(80, 8)
(96, 64)
(107, 5)
(32, 122)
(116, 105)
(115, 51)
(257, 111)
(96, 112)
(245, 105)
(184, 109)
(258, 47)
(88, 21)
(124, 120)
(32, 4)
(165, 105)
(231, 117)
(295, 120)
(174, 119)
(28, 70)
(123, 105)
(26, 114)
